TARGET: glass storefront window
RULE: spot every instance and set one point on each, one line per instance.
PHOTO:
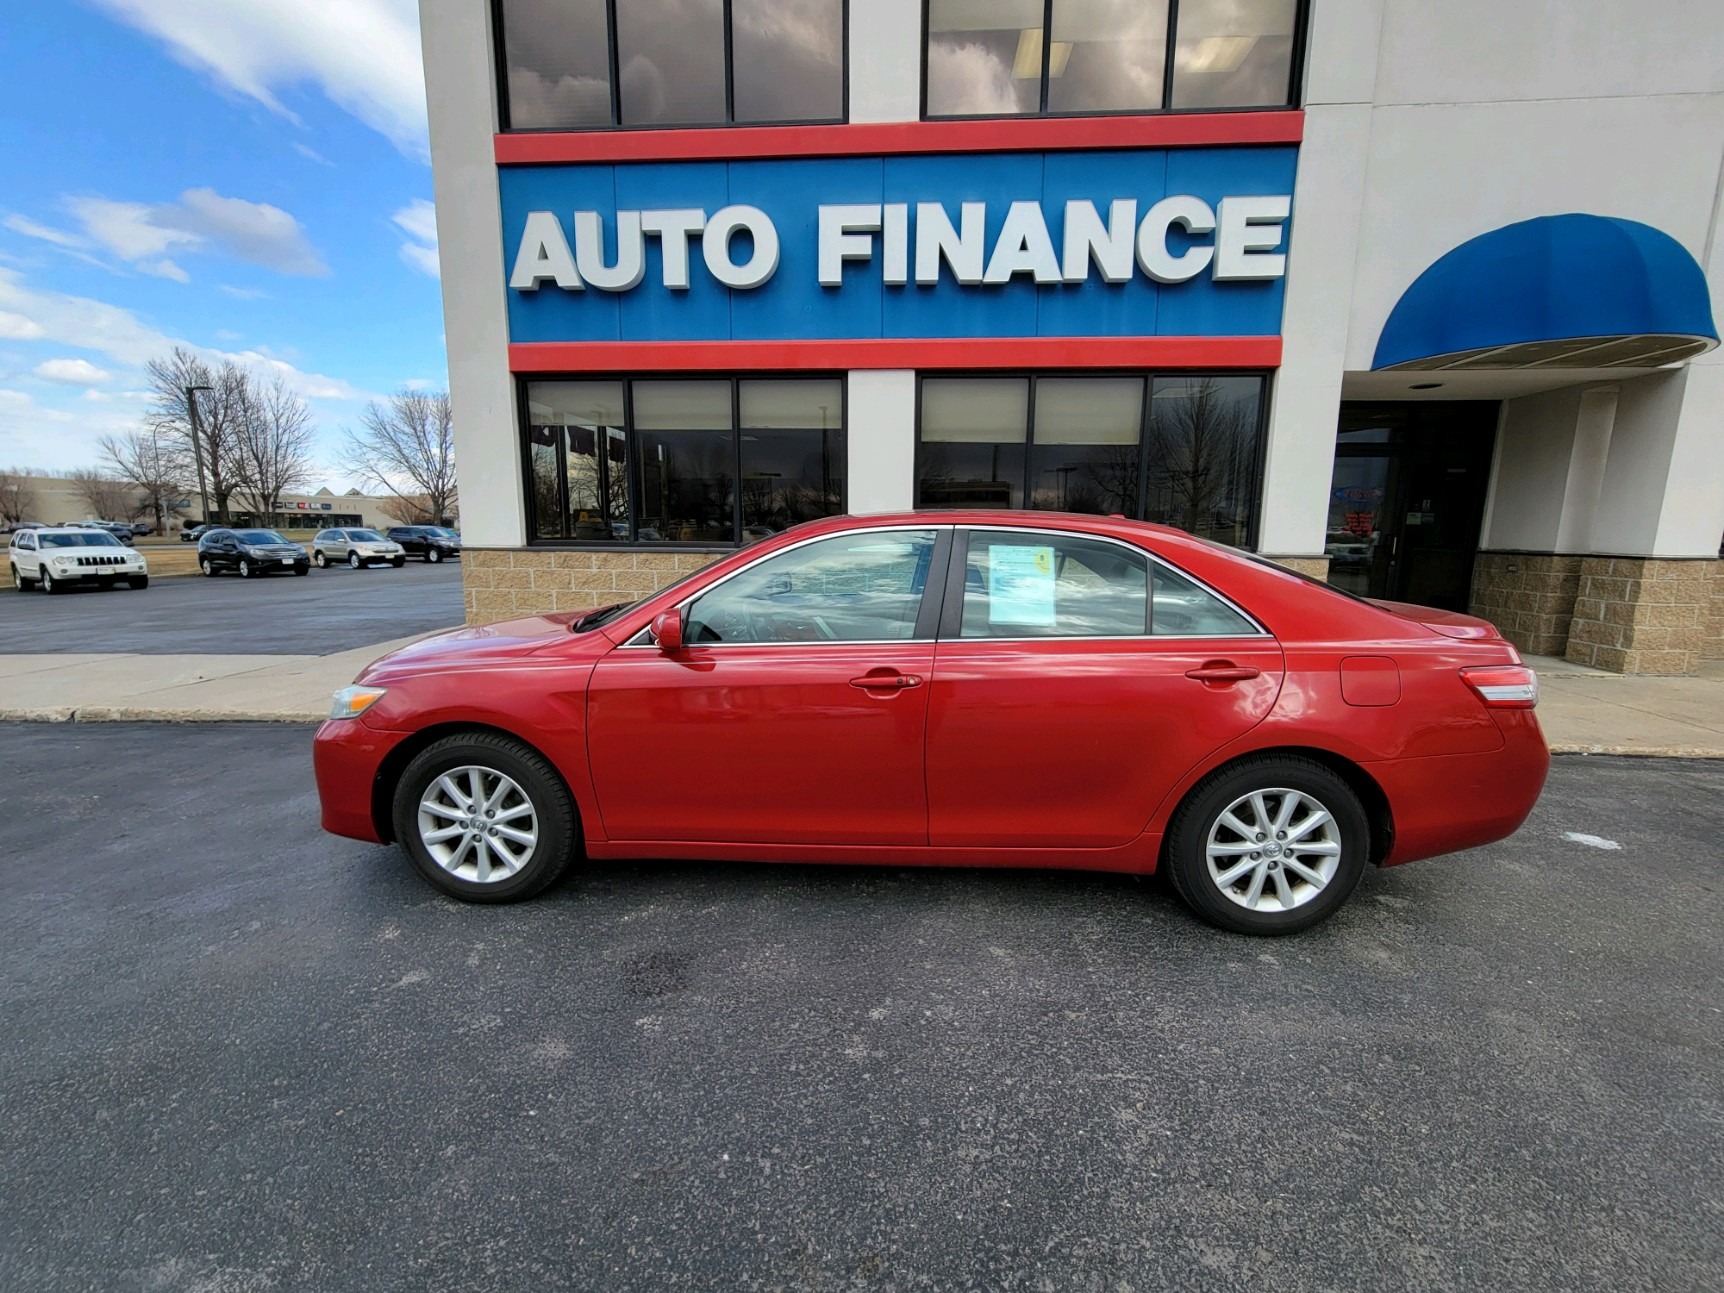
(669, 461)
(600, 64)
(1191, 459)
(1004, 58)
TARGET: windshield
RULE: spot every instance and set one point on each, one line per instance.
(440, 532)
(596, 619)
(260, 536)
(364, 536)
(88, 539)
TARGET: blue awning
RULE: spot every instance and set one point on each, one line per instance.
(1565, 291)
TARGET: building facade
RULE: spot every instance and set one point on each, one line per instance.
(1411, 296)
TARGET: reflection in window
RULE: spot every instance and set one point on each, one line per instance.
(1025, 585)
(1081, 444)
(863, 587)
(557, 54)
(1234, 53)
(1085, 457)
(786, 62)
(1204, 453)
(1182, 609)
(657, 461)
(1001, 58)
(971, 450)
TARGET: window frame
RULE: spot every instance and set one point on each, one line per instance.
(1149, 377)
(952, 604)
(500, 75)
(524, 430)
(1295, 74)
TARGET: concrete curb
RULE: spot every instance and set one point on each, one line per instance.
(1642, 751)
(112, 714)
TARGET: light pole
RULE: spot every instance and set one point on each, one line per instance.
(198, 448)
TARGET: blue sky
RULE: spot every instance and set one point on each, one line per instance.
(247, 177)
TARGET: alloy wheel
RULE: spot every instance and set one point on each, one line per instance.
(478, 824)
(320, 559)
(353, 560)
(245, 569)
(48, 584)
(205, 566)
(433, 556)
(1273, 850)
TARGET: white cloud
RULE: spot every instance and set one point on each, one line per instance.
(363, 54)
(33, 229)
(128, 229)
(202, 220)
(73, 372)
(15, 327)
(306, 151)
(165, 269)
(418, 220)
(244, 293)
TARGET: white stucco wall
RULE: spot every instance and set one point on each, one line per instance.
(881, 430)
(456, 35)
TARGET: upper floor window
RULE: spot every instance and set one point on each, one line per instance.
(603, 64)
(999, 58)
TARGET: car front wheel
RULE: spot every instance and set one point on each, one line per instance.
(399, 562)
(485, 818)
(49, 583)
(139, 582)
(1270, 845)
(433, 556)
(244, 568)
(353, 560)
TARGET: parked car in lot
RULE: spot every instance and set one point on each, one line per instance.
(433, 542)
(194, 533)
(249, 553)
(991, 689)
(121, 530)
(356, 548)
(54, 558)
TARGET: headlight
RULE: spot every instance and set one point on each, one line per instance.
(351, 702)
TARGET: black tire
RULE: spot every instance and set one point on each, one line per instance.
(207, 566)
(320, 559)
(1187, 851)
(433, 556)
(19, 582)
(353, 560)
(244, 568)
(138, 582)
(553, 807)
(49, 586)
(399, 562)
(302, 570)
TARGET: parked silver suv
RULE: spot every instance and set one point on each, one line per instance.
(357, 548)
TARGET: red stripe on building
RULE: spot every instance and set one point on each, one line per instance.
(1037, 134)
(920, 353)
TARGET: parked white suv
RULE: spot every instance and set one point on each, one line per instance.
(59, 557)
(357, 548)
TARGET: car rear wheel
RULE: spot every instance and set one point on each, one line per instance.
(353, 560)
(433, 556)
(22, 584)
(485, 818)
(320, 559)
(139, 582)
(207, 566)
(1270, 845)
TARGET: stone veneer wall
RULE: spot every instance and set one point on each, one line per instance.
(501, 583)
(1642, 614)
(1315, 567)
(1712, 647)
(1529, 596)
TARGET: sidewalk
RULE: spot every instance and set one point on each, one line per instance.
(1584, 711)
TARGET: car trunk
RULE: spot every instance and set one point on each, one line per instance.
(1450, 624)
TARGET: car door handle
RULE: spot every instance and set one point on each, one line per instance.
(1223, 671)
(886, 682)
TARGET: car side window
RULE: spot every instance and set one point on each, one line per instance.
(1025, 585)
(864, 587)
(1183, 609)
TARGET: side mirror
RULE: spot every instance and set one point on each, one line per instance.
(667, 630)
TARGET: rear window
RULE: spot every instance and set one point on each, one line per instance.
(88, 539)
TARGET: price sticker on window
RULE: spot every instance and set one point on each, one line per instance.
(1021, 586)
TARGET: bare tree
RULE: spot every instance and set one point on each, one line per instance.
(109, 497)
(17, 494)
(1198, 450)
(268, 446)
(407, 449)
(410, 510)
(220, 411)
(152, 467)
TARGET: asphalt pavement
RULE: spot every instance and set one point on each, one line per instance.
(238, 1055)
(317, 614)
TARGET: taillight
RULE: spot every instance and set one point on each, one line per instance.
(1503, 686)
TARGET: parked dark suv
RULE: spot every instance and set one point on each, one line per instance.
(250, 553)
(433, 542)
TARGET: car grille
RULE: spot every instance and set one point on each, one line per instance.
(102, 561)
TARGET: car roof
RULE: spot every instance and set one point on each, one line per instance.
(66, 529)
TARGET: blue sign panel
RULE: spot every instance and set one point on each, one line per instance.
(1141, 242)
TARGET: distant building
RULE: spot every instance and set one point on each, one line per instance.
(59, 499)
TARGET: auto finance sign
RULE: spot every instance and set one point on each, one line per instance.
(1148, 242)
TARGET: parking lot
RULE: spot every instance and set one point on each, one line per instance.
(239, 1054)
(319, 614)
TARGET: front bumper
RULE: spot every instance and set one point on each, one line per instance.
(346, 757)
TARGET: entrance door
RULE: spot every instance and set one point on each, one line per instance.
(1408, 499)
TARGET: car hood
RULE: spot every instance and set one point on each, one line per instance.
(472, 647)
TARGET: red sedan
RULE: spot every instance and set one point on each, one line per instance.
(967, 689)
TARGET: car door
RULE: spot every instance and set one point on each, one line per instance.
(796, 711)
(1076, 679)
